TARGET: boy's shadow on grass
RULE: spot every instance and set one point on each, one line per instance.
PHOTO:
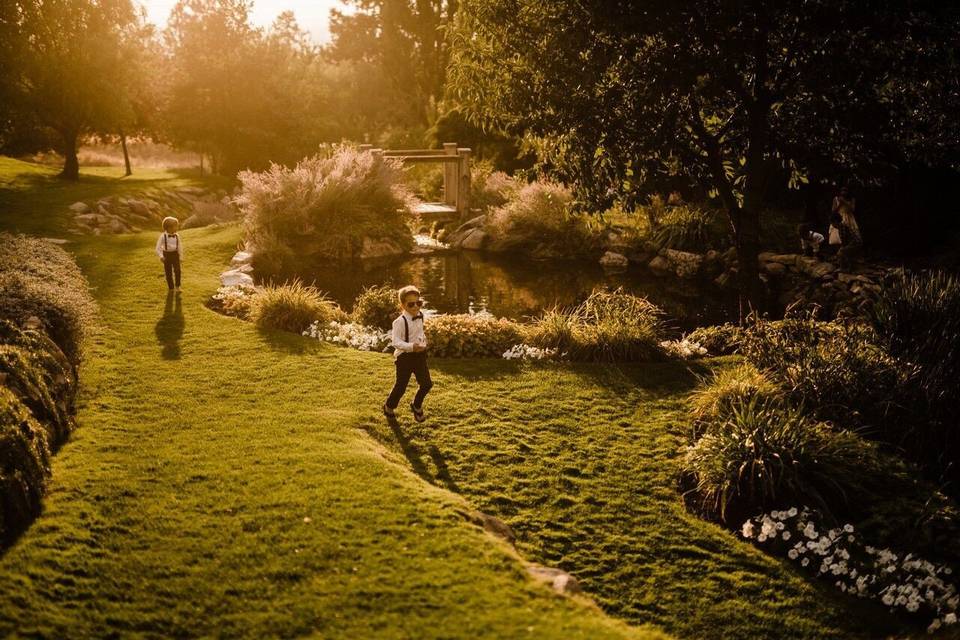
(169, 327)
(414, 455)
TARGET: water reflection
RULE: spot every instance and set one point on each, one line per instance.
(456, 282)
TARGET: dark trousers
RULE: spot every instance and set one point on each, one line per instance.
(171, 267)
(411, 363)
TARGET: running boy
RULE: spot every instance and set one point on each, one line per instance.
(409, 353)
(170, 250)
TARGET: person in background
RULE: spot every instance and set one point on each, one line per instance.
(846, 205)
(170, 250)
(834, 235)
(810, 240)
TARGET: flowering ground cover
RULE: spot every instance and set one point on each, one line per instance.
(246, 485)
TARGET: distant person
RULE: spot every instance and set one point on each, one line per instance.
(846, 205)
(835, 235)
(170, 250)
(409, 353)
(810, 240)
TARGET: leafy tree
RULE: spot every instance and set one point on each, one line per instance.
(407, 40)
(67, 65)
(730, 94)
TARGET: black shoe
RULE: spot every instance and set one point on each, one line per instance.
(417, 413)
(387, 411)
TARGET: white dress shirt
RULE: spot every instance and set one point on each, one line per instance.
(416, 333)
(173, 243)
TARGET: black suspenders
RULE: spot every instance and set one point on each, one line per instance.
(406, 329)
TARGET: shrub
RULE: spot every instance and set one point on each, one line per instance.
(490, 189)
(538, 219)
(292, 306)
(376, 307)
(718, 340)
(49, 398)
(763, 454)
(207, 213)
(39, 279)
(835, 368)
(606, 327)
(468, 336)
(325, 207)
(917, 316)
(24, 465)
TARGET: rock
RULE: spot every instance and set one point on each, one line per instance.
(561, 581)
(80, 207)
(241, 258)
(235, 277)
(472, 223)
(641, 256)
(774, 268)
(88, 219)
(684, 263)
(56, 240)
(139, 208)
(475, 240)
(814, 268)
(659, 266)
(117, 227)
(492, 524)
(787, 259)
(379, 249)
(729, 256)
(612, 260)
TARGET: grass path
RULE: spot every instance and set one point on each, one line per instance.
(228, 482)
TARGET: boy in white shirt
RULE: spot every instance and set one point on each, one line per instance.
(170, 250)
(409, 353)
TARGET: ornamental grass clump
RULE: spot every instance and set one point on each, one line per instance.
(538, 218)
(762, 453)
(325, 207)
(689, 228)
(715, 398)
(376, 307)
(609, 326)
(292, 306)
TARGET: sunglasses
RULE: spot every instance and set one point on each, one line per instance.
(414, 303)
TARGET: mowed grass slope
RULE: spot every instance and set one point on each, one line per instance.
(179, 507)
(218, 485)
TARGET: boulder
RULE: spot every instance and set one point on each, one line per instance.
(561, 581)
(80, 207)
(774, 268)
(139, 208)
(241, 258)
(684, 263)
(55, 240)
(379, 249)
(475, 240)
(659, 266)
(786, 259)
(814, 268)
(116, 226)
(88, 219)
(235, 277)
(612, 260)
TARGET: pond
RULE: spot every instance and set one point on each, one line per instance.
(510, 287)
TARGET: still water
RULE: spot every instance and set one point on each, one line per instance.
(461, 281)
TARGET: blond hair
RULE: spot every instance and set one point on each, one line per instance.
(405, 291)
(171, 224)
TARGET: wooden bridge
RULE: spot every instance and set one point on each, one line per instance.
(456, 179)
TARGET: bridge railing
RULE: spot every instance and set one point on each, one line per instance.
(456, 170)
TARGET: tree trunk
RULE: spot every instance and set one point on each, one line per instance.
(747, 234)
(126, 156)
(71, 166)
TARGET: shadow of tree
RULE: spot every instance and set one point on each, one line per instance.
(170, 326)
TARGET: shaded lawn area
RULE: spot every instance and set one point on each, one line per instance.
(34, 200)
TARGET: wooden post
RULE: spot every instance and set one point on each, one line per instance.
(451, 180)
(463, 183)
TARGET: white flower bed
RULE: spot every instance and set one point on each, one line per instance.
(350, 334)
(908, 582)
(683, 349)
(528, 352)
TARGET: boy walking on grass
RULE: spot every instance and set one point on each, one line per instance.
(170, 250)
(409, 353)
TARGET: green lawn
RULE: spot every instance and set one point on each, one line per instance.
(231, 482)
